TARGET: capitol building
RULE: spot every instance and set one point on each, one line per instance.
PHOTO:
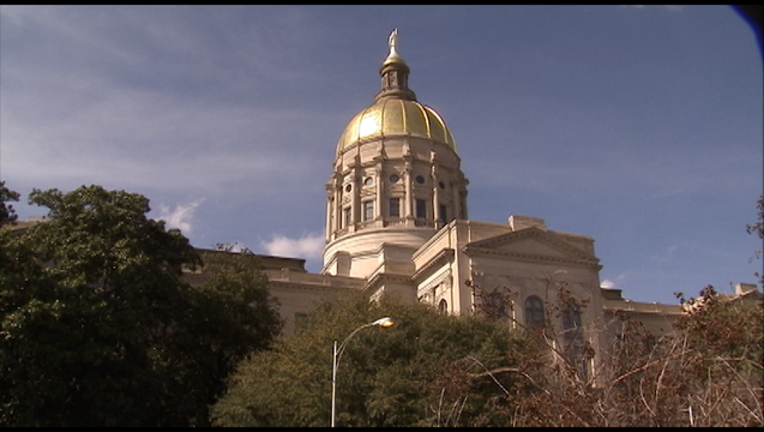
(397, 223)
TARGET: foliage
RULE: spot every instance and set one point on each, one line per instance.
(435, 370)
(708, 372)
(758, 229)
(430, 370)
(98, 326)
(7, 213)
(758, 226)
(236, 301)
(722, 350)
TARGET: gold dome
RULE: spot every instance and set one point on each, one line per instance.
(395, 111)
(389, 117)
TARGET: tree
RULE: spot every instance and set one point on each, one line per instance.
(722, 354)
(708, 372)
(758, 229)
(758, 226)
(99, 327)
(430, 370)
(7, 213)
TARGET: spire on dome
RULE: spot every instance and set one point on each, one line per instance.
(394, 72)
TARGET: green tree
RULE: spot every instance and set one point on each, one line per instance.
(99, 326)
(7, 213)
(430, 370)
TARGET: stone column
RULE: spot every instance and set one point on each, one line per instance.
(379, 214)
(455, 203)
(329, 205)
(337, 223)
(435, 192)
(355, 204)
(408, 194)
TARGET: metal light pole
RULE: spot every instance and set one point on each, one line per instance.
(337, 354)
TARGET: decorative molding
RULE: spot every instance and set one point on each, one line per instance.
(380, 278)
(487, 247)
(445, 256)
(531, 258)
(429, 288)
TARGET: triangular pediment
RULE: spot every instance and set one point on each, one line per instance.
(532, 243)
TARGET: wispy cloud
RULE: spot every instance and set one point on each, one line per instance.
(613, 283)
(310, 246)
(670, 252)
(181, 216)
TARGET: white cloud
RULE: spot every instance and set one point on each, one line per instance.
(181, 216)
(309, 246)
(613, 283)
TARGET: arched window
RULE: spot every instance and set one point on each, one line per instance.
(573, 338)
(534, 313)
(571, 322)
(443, 307)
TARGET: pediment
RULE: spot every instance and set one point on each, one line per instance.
(531, 243)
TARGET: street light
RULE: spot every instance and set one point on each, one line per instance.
(337, 354)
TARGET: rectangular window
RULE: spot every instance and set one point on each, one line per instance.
(443, 215)
(346, 218)
(368, 210)
(421, 209)
(395, 207)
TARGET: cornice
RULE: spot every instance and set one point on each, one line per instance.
(446, 255)
(379, 278)
(547, 237)
(474, 251)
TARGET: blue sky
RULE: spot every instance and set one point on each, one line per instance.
(639, 126)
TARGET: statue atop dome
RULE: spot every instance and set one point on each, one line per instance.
(392, 42)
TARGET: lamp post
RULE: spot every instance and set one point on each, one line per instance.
(337, 354)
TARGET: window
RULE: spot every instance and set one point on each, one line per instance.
(420, 179)
(443, 307)
(395, 207)
(346, 219)
(571, 322)
(573, 338)
(496, 305)
(443, 216)
(369, 181)
(421, 209)
(534, 313)
(348, 187)
(368, 210)
(394, 178)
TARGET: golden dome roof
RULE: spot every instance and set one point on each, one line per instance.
(389, 117)
(395, 111)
